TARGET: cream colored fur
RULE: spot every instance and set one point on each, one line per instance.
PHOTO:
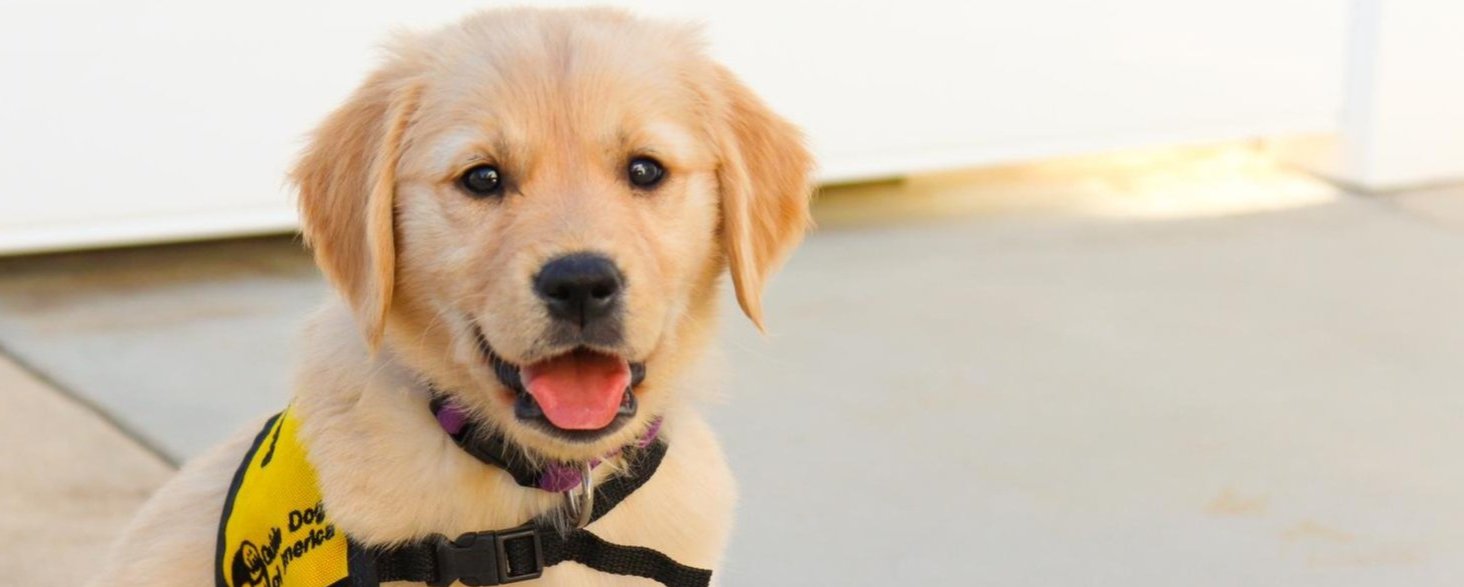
(391, 474)
(418, 264)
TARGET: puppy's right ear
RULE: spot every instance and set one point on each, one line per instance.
(347, 181)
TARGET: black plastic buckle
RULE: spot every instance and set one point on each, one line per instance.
(481, 558)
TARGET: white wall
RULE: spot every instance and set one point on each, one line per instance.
(1402, 125)
(163, 119)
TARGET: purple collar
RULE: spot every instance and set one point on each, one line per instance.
(494, 450)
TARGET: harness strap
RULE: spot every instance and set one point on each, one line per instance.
(489, 447)
(590, 550)
(522, 553)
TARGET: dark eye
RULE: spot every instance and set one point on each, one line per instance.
(483, 180)
(645, 172)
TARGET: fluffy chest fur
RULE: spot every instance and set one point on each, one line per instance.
(389, 473)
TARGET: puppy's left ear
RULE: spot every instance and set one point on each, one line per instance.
(347, 180)
(764, 180)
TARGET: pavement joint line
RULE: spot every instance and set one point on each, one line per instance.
(85, 404)
(1387, 202)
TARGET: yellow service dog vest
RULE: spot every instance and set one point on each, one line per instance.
(275, 531)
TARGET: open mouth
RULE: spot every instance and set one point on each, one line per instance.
(579, 395)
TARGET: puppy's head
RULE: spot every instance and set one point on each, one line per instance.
(532, 209)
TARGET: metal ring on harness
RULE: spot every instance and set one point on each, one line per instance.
(582, 508)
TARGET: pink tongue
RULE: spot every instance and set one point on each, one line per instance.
(580, 390)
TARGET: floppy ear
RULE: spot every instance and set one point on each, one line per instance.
(764, 180)
(347, 181)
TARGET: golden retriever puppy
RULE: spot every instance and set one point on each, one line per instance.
(526, 216)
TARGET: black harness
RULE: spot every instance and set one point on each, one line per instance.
(520, 554)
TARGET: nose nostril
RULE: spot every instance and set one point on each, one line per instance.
(579, 287)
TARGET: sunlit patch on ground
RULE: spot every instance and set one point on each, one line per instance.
(1149, 184)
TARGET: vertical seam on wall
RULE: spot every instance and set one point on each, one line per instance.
(1358, 106)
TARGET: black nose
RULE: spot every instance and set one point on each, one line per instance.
(579, 287)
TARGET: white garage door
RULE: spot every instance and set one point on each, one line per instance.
(164, 119)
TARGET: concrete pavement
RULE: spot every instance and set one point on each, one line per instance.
(69, 481)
